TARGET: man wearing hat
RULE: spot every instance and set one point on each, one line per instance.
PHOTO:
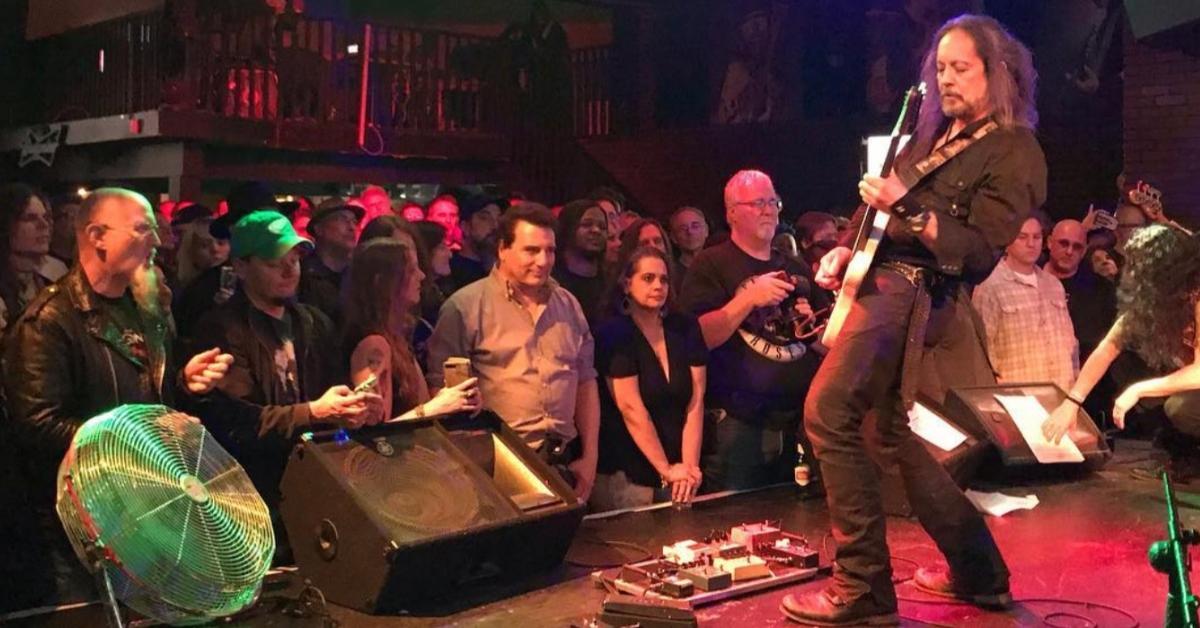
(284, 359)
(479, 219)
(334, 225)
(217, 284)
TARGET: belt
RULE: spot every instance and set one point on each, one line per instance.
(918, 320)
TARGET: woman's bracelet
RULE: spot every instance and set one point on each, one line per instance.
(1078, 402)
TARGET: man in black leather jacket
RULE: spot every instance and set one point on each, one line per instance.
(85, 346)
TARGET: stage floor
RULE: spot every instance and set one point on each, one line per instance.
(1085, 542)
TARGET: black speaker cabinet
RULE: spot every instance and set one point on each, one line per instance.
(976, 409)
(961, 463)
(1151, 17)
(385, 517)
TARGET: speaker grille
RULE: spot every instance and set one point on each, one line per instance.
(416, 485)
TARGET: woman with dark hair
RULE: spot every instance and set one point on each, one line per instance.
(643, 232)
(651, 420)
(383, 287)
(1158, 308)
(436, 266)
(427, 307)
(25, 262)
(1105, 262)
(389, 227)
(582, 238)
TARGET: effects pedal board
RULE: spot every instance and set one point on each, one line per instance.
(728, 563)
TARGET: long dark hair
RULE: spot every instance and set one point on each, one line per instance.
(1011, 79)
(14, 198)
(568, 223)
(1154, 298)
(379, 266)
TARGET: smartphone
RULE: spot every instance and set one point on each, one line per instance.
(227, 286)
(1105, 220)
(367, 384)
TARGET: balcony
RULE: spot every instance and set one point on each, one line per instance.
(294, 83)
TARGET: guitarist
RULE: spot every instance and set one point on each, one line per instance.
(949, 221)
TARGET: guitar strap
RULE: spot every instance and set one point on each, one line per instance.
(914, 174)
(914, 346)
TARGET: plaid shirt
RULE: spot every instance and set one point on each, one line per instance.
(1030, 337)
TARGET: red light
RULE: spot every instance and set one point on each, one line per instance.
(135, 126)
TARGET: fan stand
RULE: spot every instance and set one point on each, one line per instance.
(104, 584)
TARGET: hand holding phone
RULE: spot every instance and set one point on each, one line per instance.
(367, 384)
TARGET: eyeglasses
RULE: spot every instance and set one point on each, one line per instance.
(141, 230)
(763, 203)
(1067, 244)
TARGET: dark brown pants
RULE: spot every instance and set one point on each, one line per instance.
(861, 375)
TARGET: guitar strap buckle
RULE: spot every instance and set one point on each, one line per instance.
(916, 275)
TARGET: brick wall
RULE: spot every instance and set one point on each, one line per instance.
(1162, 125)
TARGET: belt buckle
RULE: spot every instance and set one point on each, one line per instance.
(910, 272)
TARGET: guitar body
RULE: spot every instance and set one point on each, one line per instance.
(856, 272)
(873, 228)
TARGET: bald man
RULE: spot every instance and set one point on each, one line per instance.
(85, 346)
(747, 298)
(1091, 299)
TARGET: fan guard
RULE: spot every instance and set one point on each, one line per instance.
(170, 516)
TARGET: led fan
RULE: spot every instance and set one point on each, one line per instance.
(164, 516)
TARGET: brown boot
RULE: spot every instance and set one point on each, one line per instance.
(829, 608)
(939, 583)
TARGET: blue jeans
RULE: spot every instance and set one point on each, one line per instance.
(742, 455)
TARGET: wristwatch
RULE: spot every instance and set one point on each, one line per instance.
(918, 222)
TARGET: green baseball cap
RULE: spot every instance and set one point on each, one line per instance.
(265, 234)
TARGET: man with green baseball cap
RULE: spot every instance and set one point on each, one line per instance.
(285, 353)
(265, 234)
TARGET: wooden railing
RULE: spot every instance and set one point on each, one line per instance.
(297, 70)
(312, 69)
(591, 81)
(105, 69)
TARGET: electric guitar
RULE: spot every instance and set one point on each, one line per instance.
(874, 224)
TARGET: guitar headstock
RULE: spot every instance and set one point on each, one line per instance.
(912, 106)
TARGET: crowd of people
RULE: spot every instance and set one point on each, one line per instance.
(644, 361)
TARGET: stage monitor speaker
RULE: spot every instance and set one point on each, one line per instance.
(390, 517)
(961, 461)
(976, 409)
(1151, 17)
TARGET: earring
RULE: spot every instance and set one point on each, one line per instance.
(625, 305)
